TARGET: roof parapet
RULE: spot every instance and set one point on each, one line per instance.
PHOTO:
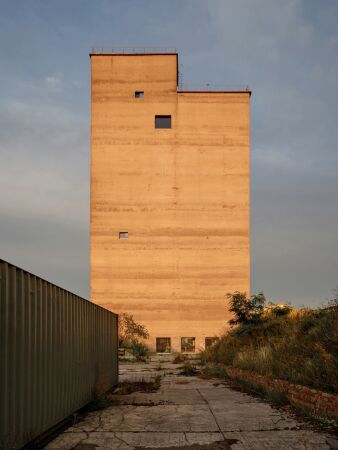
(133, 50)
(208, 87)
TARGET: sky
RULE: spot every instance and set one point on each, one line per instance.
(287, 51)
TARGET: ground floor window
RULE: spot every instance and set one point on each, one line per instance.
(187, 344)
(163, 345)
(209, 341)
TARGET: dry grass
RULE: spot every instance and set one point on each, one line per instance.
(188, 369)
(179, 358)
(301, 347)
(128, 387)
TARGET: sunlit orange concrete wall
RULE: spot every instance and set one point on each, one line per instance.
(181, 193)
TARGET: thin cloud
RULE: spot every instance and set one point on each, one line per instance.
(54, 83)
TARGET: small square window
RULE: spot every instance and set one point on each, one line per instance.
(188, 344)
(139, 94)
(162, 121)
(163, 345)
(123, 235)
(209, 341)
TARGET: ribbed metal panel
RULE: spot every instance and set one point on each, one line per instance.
(58, 351)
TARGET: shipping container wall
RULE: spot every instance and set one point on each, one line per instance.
(58, 351)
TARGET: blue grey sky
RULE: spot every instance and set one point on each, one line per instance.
(287, 51)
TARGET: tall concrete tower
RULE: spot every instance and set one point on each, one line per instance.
(169, 211)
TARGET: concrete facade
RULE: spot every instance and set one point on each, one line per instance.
(181, 194)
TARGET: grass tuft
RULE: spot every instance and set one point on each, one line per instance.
(188, 369)
(128, 387)
(179, 358)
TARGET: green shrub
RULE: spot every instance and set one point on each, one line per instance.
(246, 310)
(188, 369)
(139, 350)
(130, 330)
(179, 358)
(300, 347)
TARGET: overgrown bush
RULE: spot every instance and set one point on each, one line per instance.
(130, 330)
(246, 310)
(179, 358)
(139, 350)
(299, 346)
(188, 369)
(271, 309)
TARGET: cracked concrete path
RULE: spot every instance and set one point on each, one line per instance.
(189, 413)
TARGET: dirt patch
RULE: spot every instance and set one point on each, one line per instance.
(188, 369)
(149, 404)
(128, 387)
(179, 359)
(84, 447)
(218, 445)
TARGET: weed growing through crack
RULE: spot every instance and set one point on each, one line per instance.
(179, 358)
(128, 387)
(188, 369)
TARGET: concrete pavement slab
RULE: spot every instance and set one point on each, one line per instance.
(188, 412)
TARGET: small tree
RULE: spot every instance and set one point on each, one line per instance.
(130, 330)
(246, 310)
(139, 350)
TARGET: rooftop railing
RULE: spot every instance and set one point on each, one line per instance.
(208, 87)
(131, 50)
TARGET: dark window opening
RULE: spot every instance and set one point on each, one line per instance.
(187, 344)
(139, 94)
(163, 345)
(162, 121)
(209, 341)
(123, 235)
